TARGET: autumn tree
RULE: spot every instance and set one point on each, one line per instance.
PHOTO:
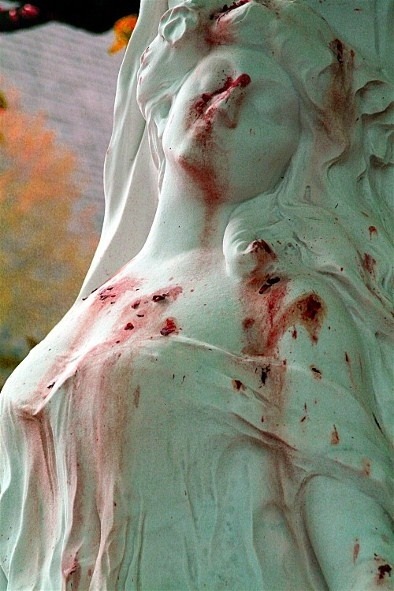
(47, 236)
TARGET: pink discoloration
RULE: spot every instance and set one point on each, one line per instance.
(122, 325)
(72, 573)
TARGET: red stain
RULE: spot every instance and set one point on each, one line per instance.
(273, 317)
(294, 333)
(334, 436)
(248, 323)
(169, 327)
(356, 550)
(260, 245)
(368, 263)
(123, 328)
(206, 165)
(238, 385)
(307, 310)
(372, 231)
(383, 570)
(339, 112)
(206, 106)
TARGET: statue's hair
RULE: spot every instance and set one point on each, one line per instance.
(330, 214)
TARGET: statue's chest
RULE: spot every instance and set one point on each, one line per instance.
(207, 308)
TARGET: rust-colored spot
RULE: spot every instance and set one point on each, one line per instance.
(258, 245)
(334, 436)
(337, 48)
(136, 304)
(383, 570)
(316, 372)
(372, 231)
(248, 323)
(294, 333)
(368, 263)
(136, 396)
(238, 385)
(356, 550)
(169, 327)
(311, 307)
(129, 326)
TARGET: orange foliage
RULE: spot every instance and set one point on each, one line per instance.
(47, 237)
(123, 30)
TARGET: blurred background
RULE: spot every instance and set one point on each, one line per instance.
(57, 88)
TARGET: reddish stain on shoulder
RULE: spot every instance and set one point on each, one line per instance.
(334, 436)
(273, 317)
(372, 231)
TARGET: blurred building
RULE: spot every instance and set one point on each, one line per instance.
(69, 76)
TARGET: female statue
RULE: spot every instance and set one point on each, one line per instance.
(215, 414)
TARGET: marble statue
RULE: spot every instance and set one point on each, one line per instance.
(216, 414)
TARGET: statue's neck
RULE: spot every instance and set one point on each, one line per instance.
(190, 216)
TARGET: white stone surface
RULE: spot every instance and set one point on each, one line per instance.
(217, 414)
